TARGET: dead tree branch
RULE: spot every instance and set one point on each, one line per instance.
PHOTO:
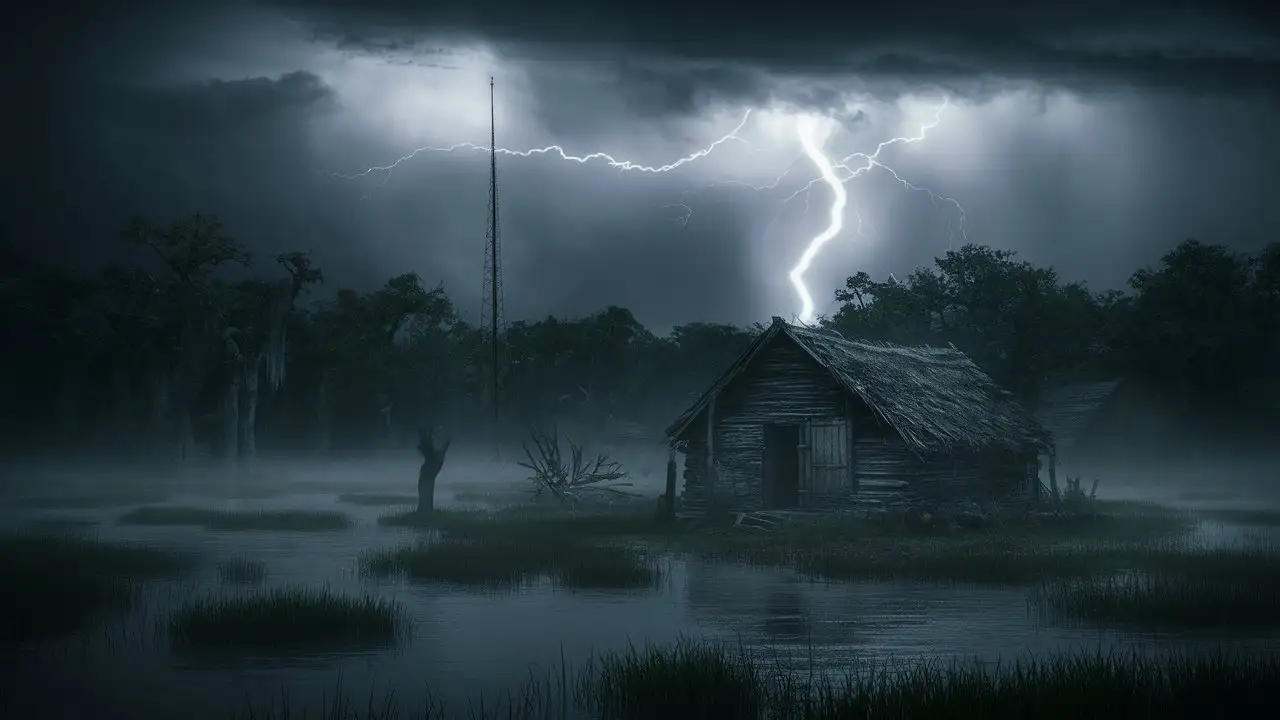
(574, 481)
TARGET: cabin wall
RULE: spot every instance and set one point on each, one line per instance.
(782, 385)
(890, 476)
(785, 385)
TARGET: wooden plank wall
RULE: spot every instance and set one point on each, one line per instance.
(784, 385)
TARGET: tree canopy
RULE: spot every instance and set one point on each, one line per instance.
(160, 356)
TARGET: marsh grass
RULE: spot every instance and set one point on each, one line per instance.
(261, 520)
(520, 522)
(693, 680)
(291, 619)
(506, 562)
(1241, 516)
(686, 679)
(242, 570)
(57, 584)
(1235, 588)
(1014, 550)
(377, 499)
(91, 501)
(1207, 495)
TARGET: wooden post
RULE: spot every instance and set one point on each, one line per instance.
(711, 453)
(669, 500)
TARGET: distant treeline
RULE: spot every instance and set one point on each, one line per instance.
(175, 353)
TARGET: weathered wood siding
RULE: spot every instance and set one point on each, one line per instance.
(890, 475)
(877, 470)
(783, 385)
(825, 462)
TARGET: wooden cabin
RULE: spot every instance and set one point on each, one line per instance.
(806, 419)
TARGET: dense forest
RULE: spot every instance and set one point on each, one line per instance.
(197, 348)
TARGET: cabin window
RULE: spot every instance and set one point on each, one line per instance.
(825, 457)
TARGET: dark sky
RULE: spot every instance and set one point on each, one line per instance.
(1088, 135)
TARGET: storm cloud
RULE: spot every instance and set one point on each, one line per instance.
(1085, 135)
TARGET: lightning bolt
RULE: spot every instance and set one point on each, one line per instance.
(620, 165)
(833, 174)
(828, 173)
(807, 128)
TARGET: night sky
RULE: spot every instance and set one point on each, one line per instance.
(1088, 135)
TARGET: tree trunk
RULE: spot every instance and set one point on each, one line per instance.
(249, 411)
(427, 487)
(432, 461)
(231, 415)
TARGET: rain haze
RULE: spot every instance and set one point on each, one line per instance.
(816, 337)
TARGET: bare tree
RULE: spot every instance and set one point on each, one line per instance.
(432, 462)
(574, 480)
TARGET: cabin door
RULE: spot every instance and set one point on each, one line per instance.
(780, 466)
(825, 458)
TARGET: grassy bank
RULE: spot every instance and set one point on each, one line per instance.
(690, 680)
(1232, 588)
(287, 620)
(1242, 516)
(505, 561)
(1159, 602)
(55, 585)
(262, 520)
(242, 570)
(1014, 550)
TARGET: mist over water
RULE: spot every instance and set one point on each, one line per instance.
(470, 644)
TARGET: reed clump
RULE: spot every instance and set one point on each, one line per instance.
(507, 562)
(290, 619)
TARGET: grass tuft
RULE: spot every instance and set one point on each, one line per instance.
(686, 679)
(1159, 602)
(261, 520)
(288, 620)
(241, 570)
(690, 680)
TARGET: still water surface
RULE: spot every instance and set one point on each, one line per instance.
(470, 644)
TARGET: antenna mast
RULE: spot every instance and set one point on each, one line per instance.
(491, 304)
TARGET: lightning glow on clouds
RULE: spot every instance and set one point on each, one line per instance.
(812, 131)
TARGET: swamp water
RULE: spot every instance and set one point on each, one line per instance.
(468, 645)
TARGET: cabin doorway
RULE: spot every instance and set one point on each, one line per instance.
(780, 469)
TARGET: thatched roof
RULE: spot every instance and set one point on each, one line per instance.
(1068, 410)
(936, 399)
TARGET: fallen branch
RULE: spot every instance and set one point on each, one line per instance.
(574, 481)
